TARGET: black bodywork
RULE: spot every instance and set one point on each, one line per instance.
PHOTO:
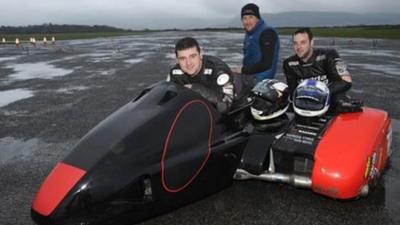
(164, 149)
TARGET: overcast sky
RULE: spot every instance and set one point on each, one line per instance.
(165, 13)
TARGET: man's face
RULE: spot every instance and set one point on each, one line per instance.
(190, 61)
(302, 46)
(249, 22)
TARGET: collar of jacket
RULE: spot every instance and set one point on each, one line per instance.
(259, 24)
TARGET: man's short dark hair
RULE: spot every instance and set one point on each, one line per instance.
(303, 30)
(186, 43)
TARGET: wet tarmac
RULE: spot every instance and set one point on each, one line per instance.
(50, 96)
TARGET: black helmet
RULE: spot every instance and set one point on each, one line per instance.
(311, 98)
(271, 99)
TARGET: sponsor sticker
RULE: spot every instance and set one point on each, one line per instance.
(223, 79)
(177, 72)
(208, 71)
(341, 68)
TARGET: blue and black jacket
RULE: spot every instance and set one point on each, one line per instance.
(261, 52)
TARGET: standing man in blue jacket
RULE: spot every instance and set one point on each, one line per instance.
(261, 45)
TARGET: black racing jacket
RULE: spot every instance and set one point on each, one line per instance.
(324, 65)
(208, 82)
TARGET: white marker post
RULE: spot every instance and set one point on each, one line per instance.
(33, 41)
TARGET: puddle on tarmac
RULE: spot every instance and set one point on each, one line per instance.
(133, 61)
(43, 70)
(14, 149)
(11, 58)
(70, 90)
(7, 97)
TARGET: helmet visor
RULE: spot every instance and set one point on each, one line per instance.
(266, 91)
(310, 98)
(264, 105)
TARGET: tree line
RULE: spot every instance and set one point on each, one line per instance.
(54, 28)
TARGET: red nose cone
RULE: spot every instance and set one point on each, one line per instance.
(56, 186)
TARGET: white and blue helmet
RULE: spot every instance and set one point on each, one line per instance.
(311, 98)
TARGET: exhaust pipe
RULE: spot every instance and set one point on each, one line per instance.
(295, 180)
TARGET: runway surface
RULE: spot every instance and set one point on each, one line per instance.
(50, 96)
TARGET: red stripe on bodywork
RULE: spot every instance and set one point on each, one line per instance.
(56, 186)
(166, 145)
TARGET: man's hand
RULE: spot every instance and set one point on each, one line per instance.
(346, 78)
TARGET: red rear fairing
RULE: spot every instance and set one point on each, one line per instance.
(341, 158)
(56, 186)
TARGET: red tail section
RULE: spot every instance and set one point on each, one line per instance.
(342, 156)
(56, 186)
